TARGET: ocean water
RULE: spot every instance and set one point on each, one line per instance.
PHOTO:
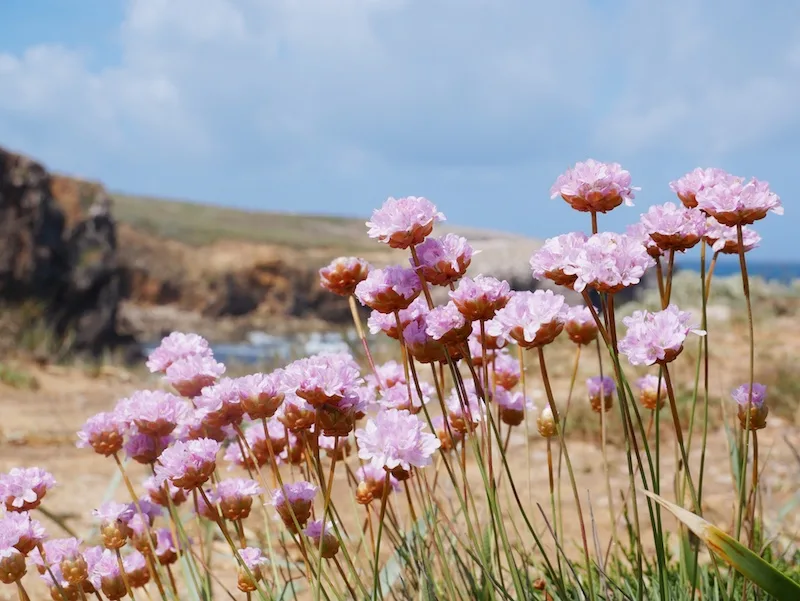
(784, 272)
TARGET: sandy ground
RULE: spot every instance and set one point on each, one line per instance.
(37, 429)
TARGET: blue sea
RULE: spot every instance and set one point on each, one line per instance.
(784, 272)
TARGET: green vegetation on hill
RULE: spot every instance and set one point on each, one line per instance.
(200, 224)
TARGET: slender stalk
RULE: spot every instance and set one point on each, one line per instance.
(363, 337)
(376, 574)
(679, 435)
(668, 285)
(606, 469)
(23, 594)
(754, 493)
(660, 278)
(123, 575)
(559, 524)
(570, 471)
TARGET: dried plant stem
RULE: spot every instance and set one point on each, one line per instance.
(123, 575)
(363, 337)
(570, 471)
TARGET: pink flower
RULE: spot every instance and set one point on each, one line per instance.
(55, 550)
(531, 318)
(581, 326)
(343, 275)
(195, 425)
(396, 440)
(492, 343)
(292, 503)
(736, 203)
(18, 530)
(22, 489)
(322, 536)
(420, 344)
(594, 187)
(261, 394)
(447, 325)
(674, 227)
(444, 260)
(153, 412)
(512, 406)
(371, 480)
(389, 290)
(698, 180)
(725, 239)
(387, 322)
(166, 549)
(296, 414)
(235, 497)
(656, 337)
(610, 262)
(104, 432)
(174, 347)
(145, 449)
(742, 395)
(253, 558)
(650, 392)
(188, 464)
(323, 379)
(389, 373)
(506, 370)
(396, 397)
(556, 260)
(640, 232)
(480, 299)
(191, 374)
(136, 570)
(601, 391)
(464, 416)
(222, 402)
(157, 495)
(403, 222)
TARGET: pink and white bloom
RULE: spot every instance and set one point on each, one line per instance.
(389, 290)
(443, 261)
(673, 227)
(725, 239)
(656, 337)
(22, 489)
(174, 347)
(403, 222)
(189, 375)
(323, 379)
(188, 464)
(387, 322)
(594, 186)
(343, 275)
(580, 325)
(557, 259)
(222, 403)
(153, 412)
(397, 441)
(610, 262)
(104, 432)
(532, 319)
(698, 180)
(481, 298)
(446, 324)
(261, 394)
(737, 203)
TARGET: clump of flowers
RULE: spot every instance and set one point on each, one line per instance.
(699, 180)
(443, 261)
(404, 222)
(343, 275)
(656, 337)
(651, 392)
(557, 259)
(735, 203)
(610, 262)
(531, 318)
(673, 227)
(594, 187)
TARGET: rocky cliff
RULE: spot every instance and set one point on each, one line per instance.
(58, 259)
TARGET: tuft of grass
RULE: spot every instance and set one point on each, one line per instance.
(18, 378)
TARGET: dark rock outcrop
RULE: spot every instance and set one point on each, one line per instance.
(61, 257)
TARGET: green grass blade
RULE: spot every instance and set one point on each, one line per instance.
(739, 557)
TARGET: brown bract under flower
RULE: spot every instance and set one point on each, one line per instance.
(546, 334)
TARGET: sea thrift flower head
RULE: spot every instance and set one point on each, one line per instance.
(293, 502)
(641, 233)
(222, 402)
(339, 421)
(195, 425)
(207, 509)
(174, 347)
(261, 394)
(389, 374)
(695, 181)
(104, 432)
(18, 530)
(390, 289)
(465, 417)
(476, 352)
(512, 406)
(372, 479)
(235, 497)
(188, 464)
(343, 275)
(323, 379)
(111, 581)
(601, 392)
(74, 567)
(22, 489)
(506, 370)
(725, 239)
(594, 186)
(481, 298)
(397, 441)
(296, 414)
(136, 570)
(752, 404)
(532, 319)
(55, 550)
(656, 337)
(145, 449)
(153, 412)
(92, 555)
(492, 343)
(165, 547)
(673, 227)
(421, 345)
(556, 260)
(387, 322)
(736, 203)
(651, 393)
(254, 561)
(397, 397)
(191, 374)
(403, 222)
(114, 519)
(322, 535)
(12, 565)
(443, 261)
(448, 437)
(580, 325)
(546, 423)
(610, 262)
(447, 325)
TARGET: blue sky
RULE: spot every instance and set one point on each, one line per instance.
(333, 105)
